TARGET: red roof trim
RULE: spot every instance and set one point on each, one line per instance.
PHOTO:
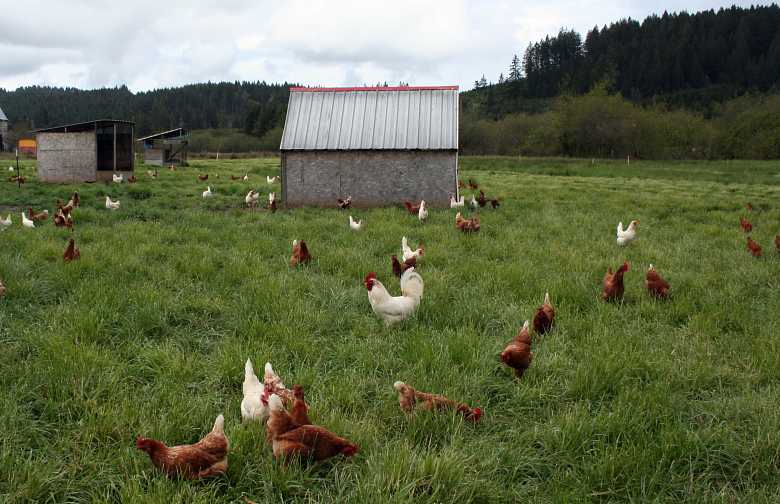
(387, 88)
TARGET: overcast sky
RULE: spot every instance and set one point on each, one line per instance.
(149, 44)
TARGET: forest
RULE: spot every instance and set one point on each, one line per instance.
(679, 85)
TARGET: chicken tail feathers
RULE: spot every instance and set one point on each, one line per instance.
(219, 424)
(412, 284)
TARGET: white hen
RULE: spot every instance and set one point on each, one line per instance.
(118, 178)
(422, 214)
(207, 193)
(457, 203)
(252, 406)
(624, 237)
(27, 222)
(271, 198)
(473, 203)
(393, 309)
(251, 198)
(246, 177)
(112, 205)
(6, 222)
(355, 225)
(408, 253)
(271, 180)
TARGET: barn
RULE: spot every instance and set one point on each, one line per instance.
(4, 145)
(166, 148)
(85, 152)
(380, 145)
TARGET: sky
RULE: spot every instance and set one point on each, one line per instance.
(146, 44)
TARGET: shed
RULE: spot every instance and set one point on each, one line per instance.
(380, 145)
(166, 148)
(85, 152)
(4, 146)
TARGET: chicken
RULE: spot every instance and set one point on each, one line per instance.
(235, 177)
(273, 384)
(118, 178)
(473, 185)
(482, 200)
(457, 203)
(74, 201)
(131, 179)
(777, 238)
(400, 267)
(40, 216)
(207, 193)
(517, 353)
(2, 289)
(408, 398)
(749, 206)
(473, 203)
(624, 237)
(71, 252)
(63, 220)
(355, 225)
(753, 247)
(745, 225)
(112, 205)
(344, 204)
(272, 180)
(613, 283)
(246, 177)
(204, 177)
(412, 208)
(300, 253)
(407, 252)
(467, 225)
(27, 222)
(172, 168)
(152, 174)
(300, 410)
(272, 202)
(393, 309)
(461, 184)
(290, 439)
(656, 285)
(495, 203)
(204, 459)
(544, 316)
(422, 213)
(251, 199)
(11, 168)
(6, 222)
(254, 406)
(18, 178)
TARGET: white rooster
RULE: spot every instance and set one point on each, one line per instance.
(355, 225)
(207, 193)
(251, 198)
(473, 203)
(27, 222)
(118, 178)
(624, 237)
(422, 214)
(408, 253)
(6, 222)
(112, 205)
(271, 180)
(393, 309)
(457, 203)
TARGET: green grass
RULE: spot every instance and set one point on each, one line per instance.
(640, 401)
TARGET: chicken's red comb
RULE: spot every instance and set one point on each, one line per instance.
(477, 414)
(367, 281)
(625, 266)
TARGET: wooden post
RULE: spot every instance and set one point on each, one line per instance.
(114, 147)
(18, 172)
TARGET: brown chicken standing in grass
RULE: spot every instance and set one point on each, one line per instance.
(544, 316)
(71, 252)
(63, 220)
(40, 216)
(300, 410)
(300, 253)
(473, 185)
(613, 283)
(749, 206)
(408, 398)
(203, 178)
(517, 353)
(290, 439)
(655, 284)
(412, 208)
(344, 204)
(400, 267)
(204, 459)
(131, 179)
(467, 225)
(745, 225)
(753, 247)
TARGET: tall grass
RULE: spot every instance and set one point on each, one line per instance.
(641, 400)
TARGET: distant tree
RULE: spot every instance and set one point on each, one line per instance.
(501, 78)
(515, 69)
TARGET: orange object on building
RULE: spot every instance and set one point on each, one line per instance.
(28, 146)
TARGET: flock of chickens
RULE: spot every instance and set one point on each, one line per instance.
(284, 412)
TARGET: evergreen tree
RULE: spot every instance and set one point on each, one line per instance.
(515, 71)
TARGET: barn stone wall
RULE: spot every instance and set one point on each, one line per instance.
(4, 145)
(372, 178)
(67, 157)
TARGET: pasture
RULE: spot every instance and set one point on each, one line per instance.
(147, 334)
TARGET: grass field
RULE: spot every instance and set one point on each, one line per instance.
(639, 401)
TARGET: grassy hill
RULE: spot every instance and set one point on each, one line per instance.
(642, 400)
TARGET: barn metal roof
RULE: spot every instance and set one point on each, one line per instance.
(368, 118)
(64, 127)
(164, 134)
(3, 117)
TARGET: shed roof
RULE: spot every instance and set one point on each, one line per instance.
(80, 126)
(164, 134)
(372, 118)
(3, 117)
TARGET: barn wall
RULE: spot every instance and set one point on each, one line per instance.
(4, 145)
(67, 157)
(372, 178)
(153, 156)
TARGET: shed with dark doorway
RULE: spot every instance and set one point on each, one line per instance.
(4, 144)
(166, 148)
(380, 145)
(85, 152)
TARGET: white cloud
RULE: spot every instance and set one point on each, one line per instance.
(147, 44)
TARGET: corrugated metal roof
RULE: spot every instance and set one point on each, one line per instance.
(389, 118)
(3, 116)
(85, 123)
(164, 134)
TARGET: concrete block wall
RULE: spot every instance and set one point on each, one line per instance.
(372, 178)
(4, 145)
(67, 157)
